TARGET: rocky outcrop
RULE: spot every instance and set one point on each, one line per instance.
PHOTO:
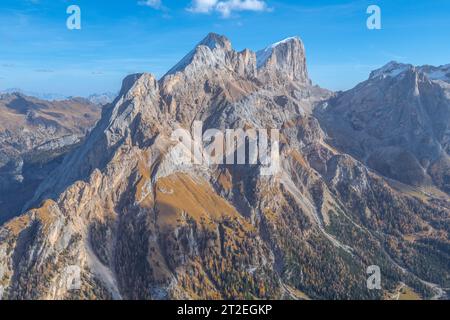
(283, 60)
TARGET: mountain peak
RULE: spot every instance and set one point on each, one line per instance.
(214, 40)
(215, 52)
(263, 55)
(287, 40)
(204, 50)
(138, 84)
(285, 58)
(391, 69)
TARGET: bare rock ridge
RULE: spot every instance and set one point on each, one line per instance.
(138, 225)
(393, 68)
(118, 127)
(215, 51)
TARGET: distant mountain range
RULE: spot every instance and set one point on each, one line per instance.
(101, 98)
(363, 180)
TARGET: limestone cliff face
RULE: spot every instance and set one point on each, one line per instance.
(140, 226)
(283, 60)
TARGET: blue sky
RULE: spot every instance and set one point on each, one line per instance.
(38, 53)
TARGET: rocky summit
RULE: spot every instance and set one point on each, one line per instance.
(363, 181)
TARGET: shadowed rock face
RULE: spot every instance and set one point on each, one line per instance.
(397, 122)
(34, 135)
(141, 226)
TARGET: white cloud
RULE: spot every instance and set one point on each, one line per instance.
(202, 6)
(155, 4)
(226, 7)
